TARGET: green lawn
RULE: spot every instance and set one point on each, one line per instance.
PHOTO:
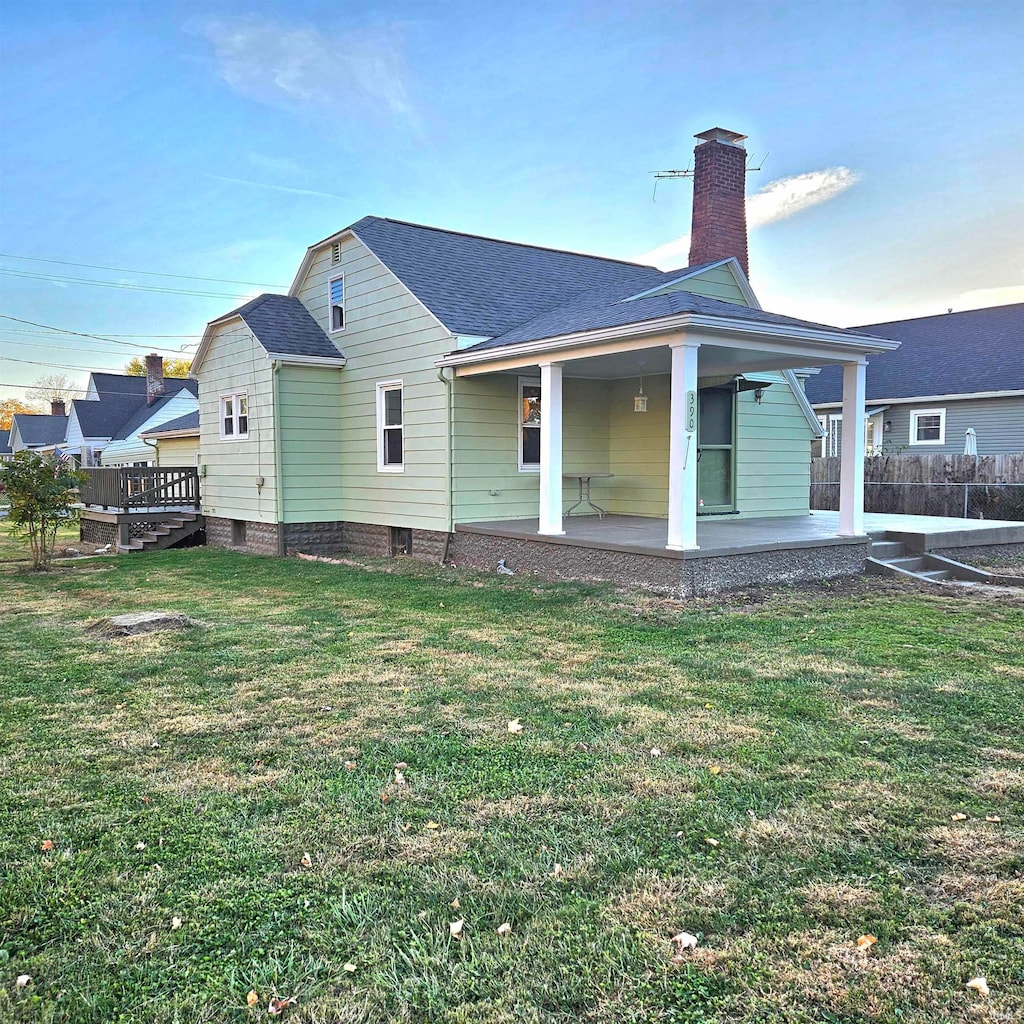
(827, 739)
(14, 549)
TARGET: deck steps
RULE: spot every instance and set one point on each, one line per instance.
(890, 558)
(171, 530)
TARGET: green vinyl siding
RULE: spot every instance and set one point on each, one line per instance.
(389, 336)
(237, 477)
(487, 482)
(638, 449)
(716, 283)
(309, 422)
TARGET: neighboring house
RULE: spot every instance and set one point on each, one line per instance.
(6, 452)
(414, 379)
(38, 432)
(103, 427)
(131, 445)
(953, 372)
(176, 442)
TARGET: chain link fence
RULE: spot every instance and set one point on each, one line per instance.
(953, 500)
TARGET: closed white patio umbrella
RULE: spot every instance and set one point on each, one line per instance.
(970, 442)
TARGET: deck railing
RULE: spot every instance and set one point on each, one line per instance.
(133, 488)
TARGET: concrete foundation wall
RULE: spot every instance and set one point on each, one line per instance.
(260, 538)
(685, 577)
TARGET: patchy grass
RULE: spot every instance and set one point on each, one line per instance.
(824, 737)
(15, 549)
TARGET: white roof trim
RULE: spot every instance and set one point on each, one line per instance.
(730, 262)
(182, 432)
(307, 259)
(804, 403)
(964, 397)
(296, 360)
(840, 342)
(208, 336)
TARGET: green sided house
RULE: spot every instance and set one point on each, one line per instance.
(450, 396)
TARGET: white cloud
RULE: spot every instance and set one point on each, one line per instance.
(979, 298)
(788, 196)
(777, 201)
(274, 63)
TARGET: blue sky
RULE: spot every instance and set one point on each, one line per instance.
(220, 139)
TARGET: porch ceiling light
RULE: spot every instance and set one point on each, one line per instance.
(640, 399)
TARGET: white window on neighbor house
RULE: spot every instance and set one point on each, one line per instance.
(833, 424)
(234, 416)
(336, 300)
(390, 428)
(927, 426)
(529, 424)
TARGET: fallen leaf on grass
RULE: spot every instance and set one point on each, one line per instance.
(432, 825)
(140, 845)
(655, 751)
(504, 929)
(515, 726)
(455, 928)
(350, 766)
(252, 999)
(714, 769)
(979, 984)
(350, 967)
(455, 903)
(993, 818)
(865, 942)
(556, 871)
(399, 778)
(385, 798)
(959, 816)
(307, 861)
(46, 844)
(23, 980)
(712, 842)
(277, 1006)
(400, 765)
(175, 923)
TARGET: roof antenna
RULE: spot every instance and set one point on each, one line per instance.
(688, 173)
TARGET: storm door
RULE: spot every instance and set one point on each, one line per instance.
(716, 450)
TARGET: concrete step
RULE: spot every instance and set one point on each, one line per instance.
(936, 574)
(887, 549)
(907, 564)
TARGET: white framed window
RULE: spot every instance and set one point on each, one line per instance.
(833, 424)
(390, 427)
(927, 426)
(234, 416)
(529, 425)
(336, 302)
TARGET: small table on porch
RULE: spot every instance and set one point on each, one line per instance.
(584, 484)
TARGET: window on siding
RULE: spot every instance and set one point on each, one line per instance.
(529, 424)
(234, 416)
(928, 426)
(336, 298)
(390, 428)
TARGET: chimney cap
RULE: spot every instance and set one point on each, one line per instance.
(721, 135)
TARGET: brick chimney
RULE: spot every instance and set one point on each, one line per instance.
(57, 407)
(719, 227)
(154, 378)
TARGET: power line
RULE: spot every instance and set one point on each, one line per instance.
(81, 334)
(66, 348)
(150, 273)
(126, 286)
(37, 334)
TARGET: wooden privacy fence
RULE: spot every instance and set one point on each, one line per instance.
(960, 486)
(132, 488)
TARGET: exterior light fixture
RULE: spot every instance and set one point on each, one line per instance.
(758, 395)
(640, 399)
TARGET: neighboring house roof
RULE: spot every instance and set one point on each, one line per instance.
(40, 430)
(613, 307)
(485, 286)
(284, 327)
(5, 445)
(144, 413)
(121, 402)
(966, 353)
(181, 425)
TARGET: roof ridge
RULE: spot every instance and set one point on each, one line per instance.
(502, 241)
(938, 316)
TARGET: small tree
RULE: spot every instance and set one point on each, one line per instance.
(41, 490)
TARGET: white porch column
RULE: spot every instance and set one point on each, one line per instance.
(551, 449)
(851, 466)
(682, 450)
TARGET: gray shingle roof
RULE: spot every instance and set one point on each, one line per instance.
(603, 307)
(122, 400)
(173, 386)
(485, 286)
(40, 430)
(954, 353)
(190, 421)
(283, 326)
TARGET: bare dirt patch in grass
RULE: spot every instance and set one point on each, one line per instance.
(999, 782)
(974, 846)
